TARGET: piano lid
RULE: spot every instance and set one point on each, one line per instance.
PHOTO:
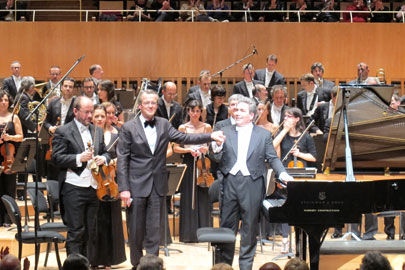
(376, 131)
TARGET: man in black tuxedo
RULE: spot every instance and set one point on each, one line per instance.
(311, 96)
(323, 112)
(242, 164)
(76, 148)
(194, 88)
(167, 107)
(25, 96)
(96, 72)
(247, 86)
(202, 94)
(232, 102)
(59, 113)
(142, 173)
(12, 84)
(269, 76)
(54, 77)
(278, 96)
(317, 70)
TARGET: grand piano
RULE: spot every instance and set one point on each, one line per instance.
(377, 140)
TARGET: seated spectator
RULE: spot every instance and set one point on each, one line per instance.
(198, 9)
(272, 16)
(296, 264)
(324, 15)
(10, 262)
(301, 5)
(248, 16)
(357, 5)
(270, 266)
(139, 5)
(9, 15)
(219, 16)
(375, 260)
(401, 13)
(221, 266)
(150, 262)
(76, 262)
(377, 5)
(162, 14)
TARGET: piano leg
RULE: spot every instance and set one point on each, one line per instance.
(315, 236)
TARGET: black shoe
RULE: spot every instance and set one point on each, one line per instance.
(368, 238)
(336, 235)
(390, 237)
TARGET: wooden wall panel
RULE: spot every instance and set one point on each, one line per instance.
(128, 49)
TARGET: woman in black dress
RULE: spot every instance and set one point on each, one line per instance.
(106, 93)
(110, 246)
(192, 219)
(12, 135)
(217, 110)
(304, 152)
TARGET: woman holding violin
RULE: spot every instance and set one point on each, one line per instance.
(194, 201)
(300, 155)
(11, 133)
(106, 93)
(109, 247)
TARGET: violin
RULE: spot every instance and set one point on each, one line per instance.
(48, 155)
(205, 178)
(295, 163)
(107, 188)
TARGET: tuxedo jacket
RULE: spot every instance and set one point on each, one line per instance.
(277, 78)
(175, 109)
(302, 99)
(138, 169)
(24, 112)
(68, 142)
(193, 89)
(320, 116)
(241, 88)
(9, 86)
(270, 118)
(260, 151)
(54, 111)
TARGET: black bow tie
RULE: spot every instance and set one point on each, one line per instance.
(150, 123)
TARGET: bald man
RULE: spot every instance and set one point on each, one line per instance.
(10, 262)
(167, 106)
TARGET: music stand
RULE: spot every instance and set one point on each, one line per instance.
(25, 155)
(176, 174)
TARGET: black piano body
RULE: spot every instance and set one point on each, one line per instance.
(315, 206)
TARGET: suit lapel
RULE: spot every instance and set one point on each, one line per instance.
(233, 139)
(252, 143)
(139, 129)
(159, 130)
(245, 89)
(77, 136)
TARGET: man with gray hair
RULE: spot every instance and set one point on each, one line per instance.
(243, 175)
(232, 102)
(12, 84)
(245, 87)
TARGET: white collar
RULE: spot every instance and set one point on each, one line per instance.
(245, 128)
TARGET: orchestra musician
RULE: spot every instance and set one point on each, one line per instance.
(304, 152)
(58, 113)
(193, 218)
(106, 93)
(54, 77)
(167, 107)
(242, 160)
(13, 83)
(110, 244)
(217, 110)
(89, 90)
(78, 198)
(263, 110)
(12, 134)
(142, 173)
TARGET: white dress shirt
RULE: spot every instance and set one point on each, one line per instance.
(310, 96)
(205, 97)
(244, 134)
(85, 179)
(168, 106)
(267, 79)
(276, 114)
(249, 86)
(65, 104)
(150, 133)
(17, 81)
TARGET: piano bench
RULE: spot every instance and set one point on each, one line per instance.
(216, 237)
(361, 247)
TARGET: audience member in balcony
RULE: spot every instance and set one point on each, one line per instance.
(96, 72)
(324, 14)
(269, 76)
(401, 13)
(9, 15)
(218, 5)
(317, 70)
(272, 5)
(357, 5)
(140, 5)
(377, 5)
(247, 5)
(245, 87)
(162, 13)
(13, 83)
(301, 6)
(193, 10)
